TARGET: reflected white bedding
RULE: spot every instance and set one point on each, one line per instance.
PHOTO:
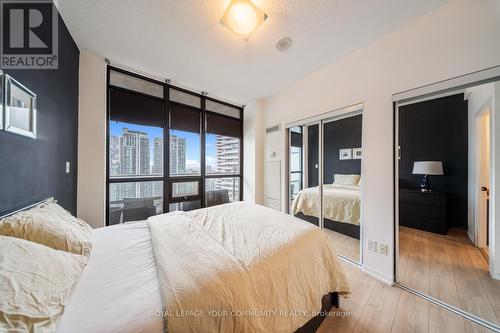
(341, 203)
(119, 287)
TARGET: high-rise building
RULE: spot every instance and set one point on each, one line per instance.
(157, 156)
(157, 168)
(228, 162)
(177, 155)
(135, 161)
(178, 167)
(114, 155)
(228, 154)
(114, 165)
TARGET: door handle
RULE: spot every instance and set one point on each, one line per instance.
(485, 189)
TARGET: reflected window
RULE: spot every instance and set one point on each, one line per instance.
(296, 156)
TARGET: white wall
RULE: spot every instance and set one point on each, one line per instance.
(457, 38)
(91, 202)
(253, 139)
(91, 196)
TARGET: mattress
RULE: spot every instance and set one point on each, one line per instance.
(341, 203)
(119, 289)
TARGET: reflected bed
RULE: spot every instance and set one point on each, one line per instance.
(341, 207)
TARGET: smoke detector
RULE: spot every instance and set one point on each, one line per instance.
(284, 44)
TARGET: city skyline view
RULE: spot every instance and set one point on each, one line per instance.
(138, 151)
(193, 153)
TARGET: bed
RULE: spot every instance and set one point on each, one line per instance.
(146, 276)
(341, 207)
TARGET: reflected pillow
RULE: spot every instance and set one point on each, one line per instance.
(341, 179)
(35, 284)
(51, 225)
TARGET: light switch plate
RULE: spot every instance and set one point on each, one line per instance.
(68, 167)
(372, 245)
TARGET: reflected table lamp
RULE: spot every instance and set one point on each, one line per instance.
(427, 168)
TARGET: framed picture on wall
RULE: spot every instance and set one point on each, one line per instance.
(345, 154)
(357, 153)
(19, 108)
(1, 99)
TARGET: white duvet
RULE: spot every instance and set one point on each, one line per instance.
(341, 203)
(242, 268)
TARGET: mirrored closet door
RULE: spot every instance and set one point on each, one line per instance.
(342, 182)
(324, 176)
(447, 237)
(304, 193)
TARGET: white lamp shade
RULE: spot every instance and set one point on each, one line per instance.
(428, 168)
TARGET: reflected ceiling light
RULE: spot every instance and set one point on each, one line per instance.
(243, 17)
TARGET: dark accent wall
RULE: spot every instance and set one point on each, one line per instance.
(341, 134)
(437, 130)
(313, 155)
(34, 169)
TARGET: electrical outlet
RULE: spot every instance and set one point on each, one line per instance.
(68, 167)
(372, 245)
(383, 249)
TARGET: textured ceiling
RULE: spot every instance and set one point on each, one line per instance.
(184, 41)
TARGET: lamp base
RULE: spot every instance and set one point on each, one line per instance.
(425, 185)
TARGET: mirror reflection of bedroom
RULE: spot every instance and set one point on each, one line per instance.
(337, 161)
(445, 200)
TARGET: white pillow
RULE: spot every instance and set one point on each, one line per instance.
(340, 179)
(49, 224)
(35, 284)
(359, 182)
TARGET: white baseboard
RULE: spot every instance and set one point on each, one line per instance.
(378, 275)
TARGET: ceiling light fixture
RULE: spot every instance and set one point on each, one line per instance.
(243, 17)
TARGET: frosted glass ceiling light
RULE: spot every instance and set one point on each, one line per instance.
(243, 17)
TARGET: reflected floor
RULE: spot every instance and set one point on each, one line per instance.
(379, 308)
(345, 245)
(449, 268)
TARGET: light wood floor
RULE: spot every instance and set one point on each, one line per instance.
(378, 308)
(345, 245)
(450, 268)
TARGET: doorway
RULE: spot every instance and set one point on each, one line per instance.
(482, 178)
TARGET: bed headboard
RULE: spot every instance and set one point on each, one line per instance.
(20, 209)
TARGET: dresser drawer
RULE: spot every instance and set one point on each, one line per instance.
(420, 210)
(423, 210)
(424, 199)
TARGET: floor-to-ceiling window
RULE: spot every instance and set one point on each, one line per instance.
(200, 166)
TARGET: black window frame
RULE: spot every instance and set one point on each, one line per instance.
(167, 179)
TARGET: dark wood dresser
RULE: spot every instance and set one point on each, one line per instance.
(423, 210)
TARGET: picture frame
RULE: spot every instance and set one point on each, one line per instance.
(345, 154)
(19, 108)
(1, 99)
(357, 153)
